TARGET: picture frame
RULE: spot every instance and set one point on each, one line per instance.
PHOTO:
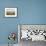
(10, 12)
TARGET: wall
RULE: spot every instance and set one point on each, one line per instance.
(29, 12)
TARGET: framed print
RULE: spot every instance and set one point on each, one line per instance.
(10, 12)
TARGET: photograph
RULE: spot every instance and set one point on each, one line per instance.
(10, 12)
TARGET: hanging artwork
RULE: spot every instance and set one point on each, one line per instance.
(10, 12)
